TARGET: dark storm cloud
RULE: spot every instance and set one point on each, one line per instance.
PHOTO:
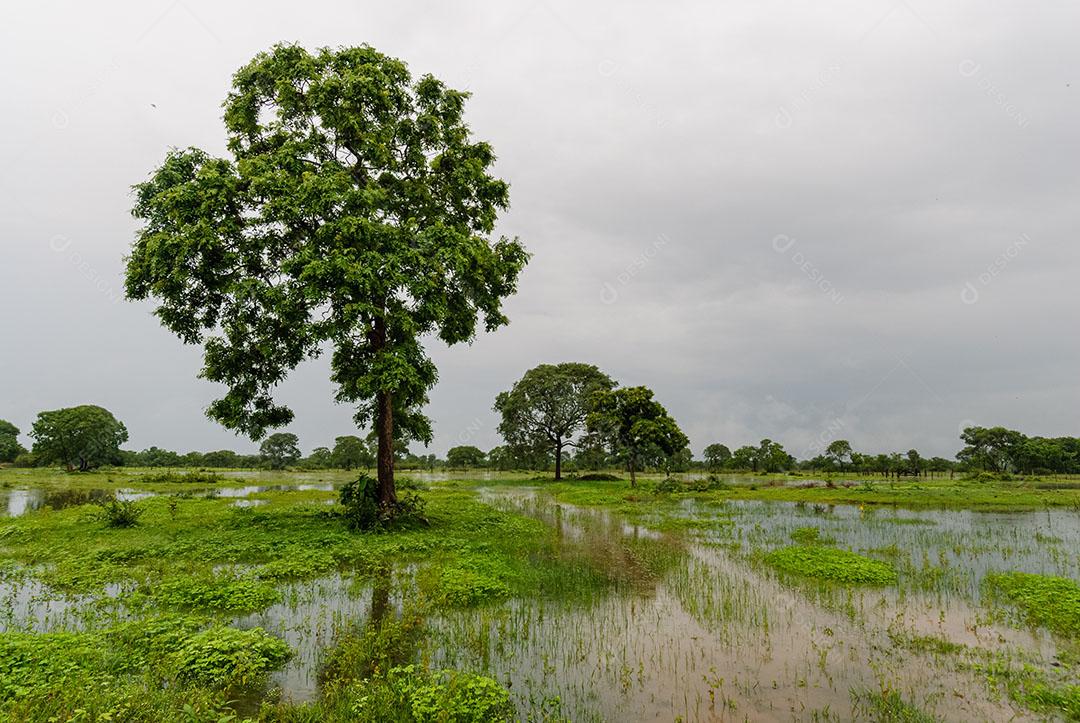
(800, 222)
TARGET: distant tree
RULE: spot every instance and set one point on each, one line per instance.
(80, 438)
(464, 457)
(548, 405)
(915, 462)
(156, 457)
(351, 452)
(355, 212)
(222, 458)
(771, 457)
(839, 452)
(745, 457)
(996, 449)
(634, 426)
(280, 450)
(320, 458)
(9, 442)
(717, 456)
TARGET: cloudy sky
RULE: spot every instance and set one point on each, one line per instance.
(796, 220)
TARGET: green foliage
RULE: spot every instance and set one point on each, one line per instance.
(218, 594)
(1051, 602)
(121, 671)
(226, 657)
(449, 696)
(360, 498)
(809, 536)
(363, 510)
(10, 448)
(468, 580)
(717, 456)
(120, 513)
(465, 456)
(280, 450)
(546, 409)
(354, 212)
(832, 564)
(350, 452)
(634, 426)
(81, 438)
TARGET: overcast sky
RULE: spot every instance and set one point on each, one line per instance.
(800, 221)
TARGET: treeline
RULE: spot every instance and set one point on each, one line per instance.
(88, 437)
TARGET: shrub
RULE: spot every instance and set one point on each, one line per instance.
(360, 498)
(224, 657)
(450, 696)
(26, 460)
(120, 513)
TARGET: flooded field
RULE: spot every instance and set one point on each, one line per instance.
(655, 607)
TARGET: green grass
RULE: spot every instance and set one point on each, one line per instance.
(1050, 602)
(889, 707)
(832, 564)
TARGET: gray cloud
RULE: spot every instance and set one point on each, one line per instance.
(656, 153)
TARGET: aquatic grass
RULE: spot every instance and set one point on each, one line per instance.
(832, 564)
(1050, 602)
(887, 706)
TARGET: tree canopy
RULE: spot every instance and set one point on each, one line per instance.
(353, 213)
(465, 456)
(717, 456)
(351, 452)
(280, 450)
(547, 407)
(634, 426)
(9, 442)
(80, 438)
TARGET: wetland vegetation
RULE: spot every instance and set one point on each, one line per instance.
(521, 599)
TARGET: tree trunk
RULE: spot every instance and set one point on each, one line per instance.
(633, 474)
(558, 461)
(385, 424)
(384, 427)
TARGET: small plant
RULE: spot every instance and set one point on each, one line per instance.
(360, 498)
(120, 513)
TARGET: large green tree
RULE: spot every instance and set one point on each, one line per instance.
(351, 452)
(354, 212)
(547, 407)
(280, 450)
(634, 426)
(717, 456)
(839, 452)
(465, 456)
(80, 438)
(9, 442)
(995, 448)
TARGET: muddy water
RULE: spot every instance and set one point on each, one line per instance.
(707, 634)
(717, 638)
